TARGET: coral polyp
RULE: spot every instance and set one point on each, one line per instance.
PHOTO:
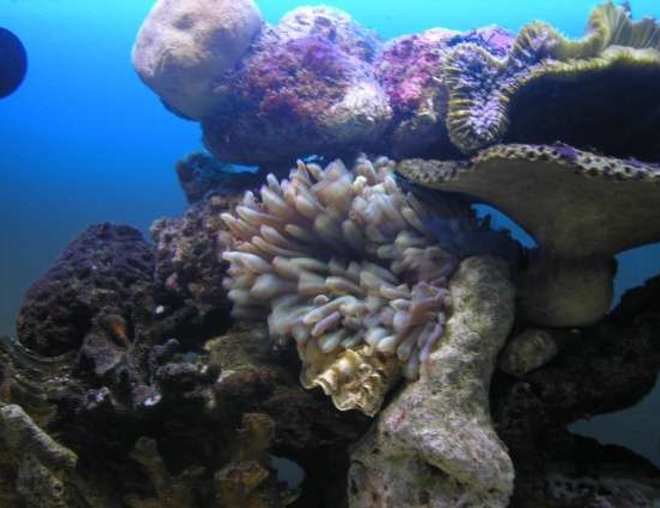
(550, 87)
(340, 261)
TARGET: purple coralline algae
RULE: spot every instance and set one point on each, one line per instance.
(319, 83)
(306, 87)
(407, 67)
(334, 25)
(297, 81)
(106, 270)
(410, 70)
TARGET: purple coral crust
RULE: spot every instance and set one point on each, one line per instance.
(407, 67)
(333, 25)
(495, 39)
(297, 80)
(106, 270)
(304, 88)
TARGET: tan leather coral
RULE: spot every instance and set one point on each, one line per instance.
(581, 208)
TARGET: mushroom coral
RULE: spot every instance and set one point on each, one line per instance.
(549, 87)
(581, 208)
(341, 262)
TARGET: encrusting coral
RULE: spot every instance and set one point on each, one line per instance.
(483, 87)
(581, 208)
(341, 262)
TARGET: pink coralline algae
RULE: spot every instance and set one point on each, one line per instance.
(297, 80)
(410, 71)
(408, 65)
(492, 38)
(307, 86)
(333, 25)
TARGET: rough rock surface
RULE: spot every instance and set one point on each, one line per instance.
(108, 269)
(527, 351)
(160, 425)
(201, 175)
(183, 47)
(188, 268)
(434, 445)
(409, 69)
(148, 402)
(39, 467)
(606, 368)
(307, 87)
(568, 471)
(198, 402)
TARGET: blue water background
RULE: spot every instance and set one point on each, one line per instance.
(84, 141)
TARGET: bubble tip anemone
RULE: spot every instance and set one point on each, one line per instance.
(339, 261)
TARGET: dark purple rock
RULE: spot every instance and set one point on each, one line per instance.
(189, 269)
(307, 87)
(200, 175)
(606, 368)
(495, 39)
(108, 269)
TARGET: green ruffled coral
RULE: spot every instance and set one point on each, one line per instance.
(481, 86)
